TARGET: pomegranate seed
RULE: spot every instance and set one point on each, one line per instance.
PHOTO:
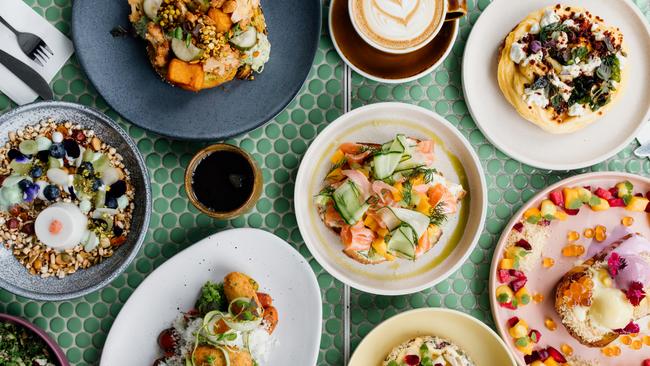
(614, 192)
(503, 275)
(412, 360)
(571, 212)
(519, 226)
(516, 285)
(646, 362)
(517, 274)
(543, 354)
(523, 243)
(79, 135)
(532, 358)
(513, 321)
(557, 356)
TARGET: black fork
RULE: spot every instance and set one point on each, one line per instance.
(32, 45)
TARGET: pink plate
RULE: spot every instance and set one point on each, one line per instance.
(542, 280)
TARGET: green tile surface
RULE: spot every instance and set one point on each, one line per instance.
(81, 326)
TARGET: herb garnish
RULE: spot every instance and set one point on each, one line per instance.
(437, 215)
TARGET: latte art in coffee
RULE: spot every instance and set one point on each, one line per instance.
(398, 24)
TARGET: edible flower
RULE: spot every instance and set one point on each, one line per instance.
(630, 328)
(635, 293)
(615, 263)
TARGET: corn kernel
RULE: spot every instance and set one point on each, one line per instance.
(566, 349)
(537, 298)
(626, 340)
(550, 324)
(548, 262)
(573, 235)
(589, 233)
(627, 221)
(636, 344)
(601, 233)
(573, 250)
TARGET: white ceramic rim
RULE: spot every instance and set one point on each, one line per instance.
(515, 218)
(318, 312)
(532, 161)
(393, 51)
(340, 275)
(391, 81)
(444, 311)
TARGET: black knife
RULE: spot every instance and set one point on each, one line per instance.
(28, 75)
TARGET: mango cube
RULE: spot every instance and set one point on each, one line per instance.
(572, 199)
(637, 204)
(599, 204)
(532, 215)
(548, 210)
(507, 263)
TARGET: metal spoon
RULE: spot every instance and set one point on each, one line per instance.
(643, 151)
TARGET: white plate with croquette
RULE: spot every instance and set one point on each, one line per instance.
(174, 287)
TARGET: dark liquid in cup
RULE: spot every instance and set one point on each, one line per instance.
(223, 181)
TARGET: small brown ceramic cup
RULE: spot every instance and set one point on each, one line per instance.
(248, 204)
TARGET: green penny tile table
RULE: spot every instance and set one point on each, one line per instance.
(80, 326)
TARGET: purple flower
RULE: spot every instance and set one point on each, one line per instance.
(31, 192)
(535, 46)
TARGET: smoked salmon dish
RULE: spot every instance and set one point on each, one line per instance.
(387, 201)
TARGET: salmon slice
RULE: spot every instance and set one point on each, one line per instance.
(357, 237)
(333, 218)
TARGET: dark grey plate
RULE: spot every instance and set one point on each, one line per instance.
(121, 72)
(13, 276)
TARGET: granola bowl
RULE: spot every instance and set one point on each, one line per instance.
(75, 200)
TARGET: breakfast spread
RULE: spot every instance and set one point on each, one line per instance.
(427, 350)
(563, 68)
(387, 201)
(231, 324)
(18, 346)
(397, 26)
(198, 44)
(598, 296)
(65, 198)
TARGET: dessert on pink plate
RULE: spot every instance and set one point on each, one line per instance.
(572, 273)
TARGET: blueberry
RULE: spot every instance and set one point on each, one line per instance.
(14, 153)
(118, 189)
(36, 172)
(51, 192)
(57, 151)
(71, 148)
(111, 202)
(24, 184)
(43, 156)
(118, 231)
(86, 169)
(96, 184)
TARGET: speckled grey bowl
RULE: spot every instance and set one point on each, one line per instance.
(13, 276)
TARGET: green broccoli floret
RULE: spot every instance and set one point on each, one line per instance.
(212, 298)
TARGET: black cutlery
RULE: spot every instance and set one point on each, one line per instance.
(32, 45)
(28, 75)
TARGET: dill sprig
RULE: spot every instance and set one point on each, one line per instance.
(437, 215)
(407, 194)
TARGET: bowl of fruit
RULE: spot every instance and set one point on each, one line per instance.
(74, 200)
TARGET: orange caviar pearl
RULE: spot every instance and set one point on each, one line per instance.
(589, 233)
(548, 262)
(573, 236)
(573, 250)
(646, 340)
(627, 221)
(539, 298)
(566, 349)
(626, 340)
(550, 324)
(637, 344)
(616, 350)
(601, 233)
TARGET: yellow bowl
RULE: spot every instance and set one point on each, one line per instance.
(481, 343)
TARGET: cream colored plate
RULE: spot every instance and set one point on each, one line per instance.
(482, 345)
(528, 143)
(455, 158)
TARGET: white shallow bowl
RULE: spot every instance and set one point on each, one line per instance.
(454, 158)
(174, 287)
(521, 139)
(480, 343)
